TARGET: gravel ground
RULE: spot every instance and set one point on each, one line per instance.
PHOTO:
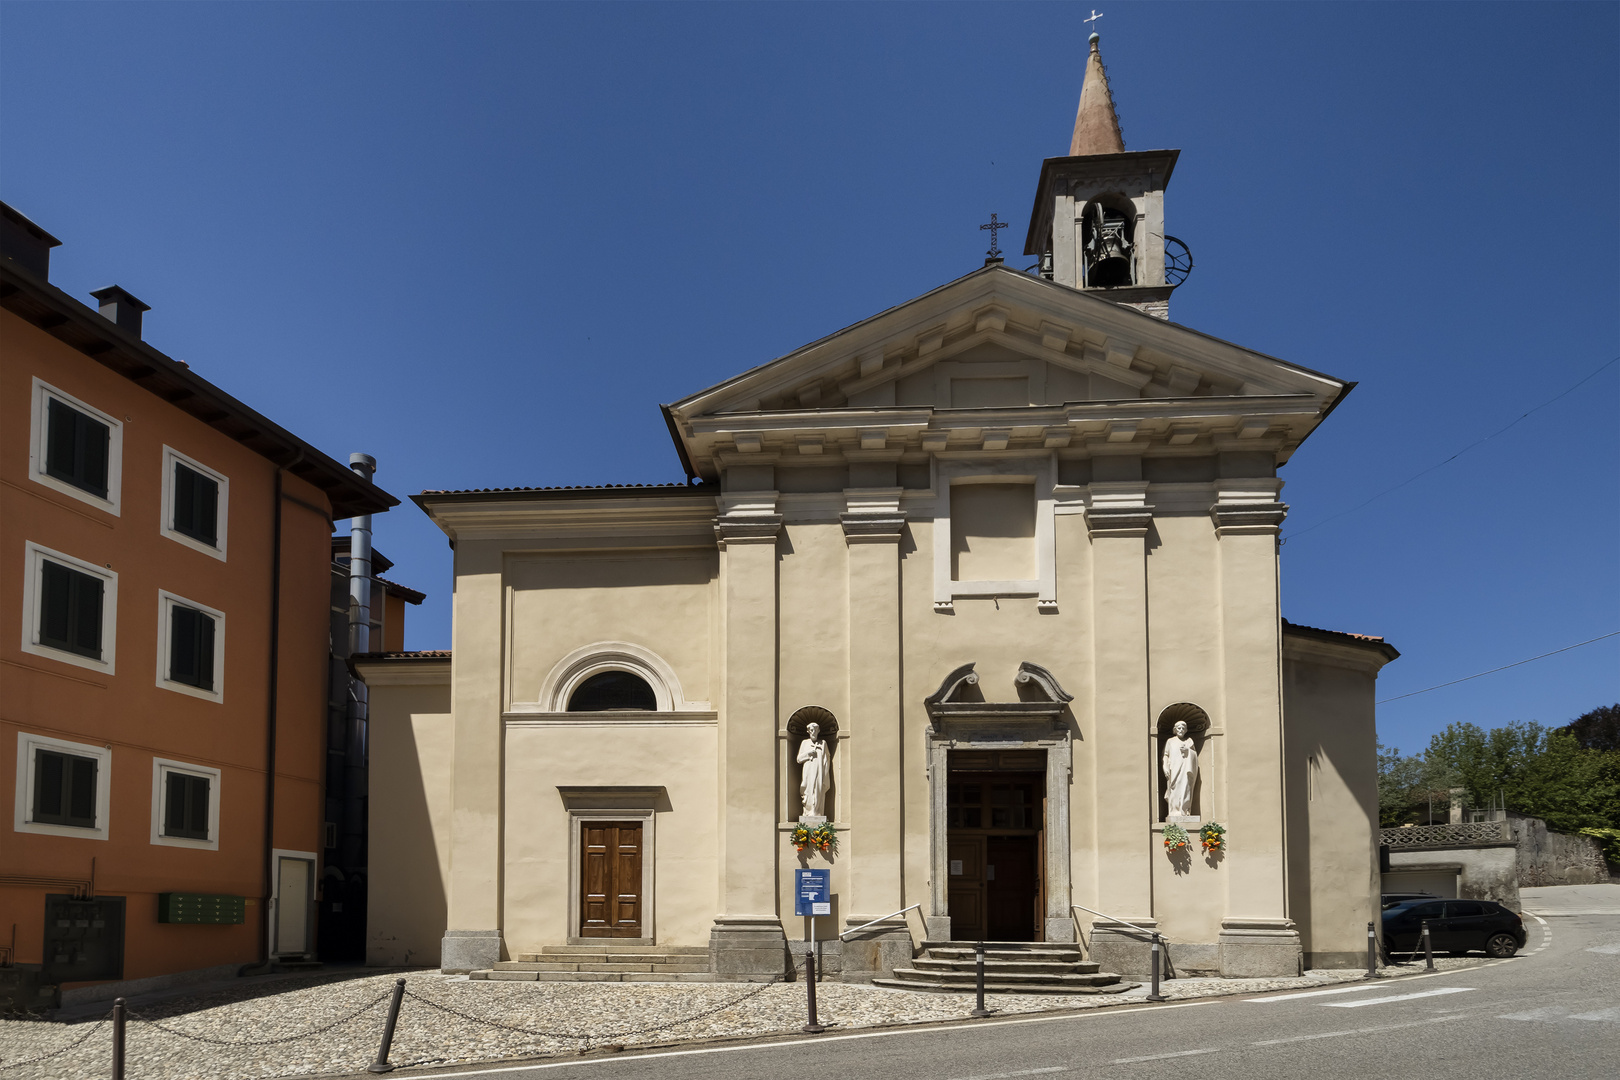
(331, 1024)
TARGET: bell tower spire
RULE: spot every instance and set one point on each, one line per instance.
(1098, 221)
(1096, 125)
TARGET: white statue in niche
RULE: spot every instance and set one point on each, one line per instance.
(1180, 763)
(814, 778)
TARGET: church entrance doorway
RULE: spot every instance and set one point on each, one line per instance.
(610, 879)
(995, 816)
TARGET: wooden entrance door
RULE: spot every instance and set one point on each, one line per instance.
(610, 879)
(995, 807)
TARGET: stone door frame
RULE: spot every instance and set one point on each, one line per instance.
(1015, 725)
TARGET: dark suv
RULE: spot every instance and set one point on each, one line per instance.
(1455, 926)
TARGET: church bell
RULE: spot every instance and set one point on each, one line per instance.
(1108, 248)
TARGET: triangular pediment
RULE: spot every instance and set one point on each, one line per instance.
(1010, 353)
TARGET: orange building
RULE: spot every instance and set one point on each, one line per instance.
(165, 583)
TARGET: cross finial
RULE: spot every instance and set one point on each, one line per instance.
(994, 226)
(1095, 15)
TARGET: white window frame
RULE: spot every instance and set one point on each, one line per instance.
(26, 745)
(34, 556)
(167, 602)
(40, 437)
(171, 457)
(161, 768)
(972, 468)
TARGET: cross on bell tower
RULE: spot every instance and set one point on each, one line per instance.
(1098, 220)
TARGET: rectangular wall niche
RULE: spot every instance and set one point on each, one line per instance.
(993, 528)
(993, 532)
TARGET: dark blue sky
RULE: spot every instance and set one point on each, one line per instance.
(484, 242)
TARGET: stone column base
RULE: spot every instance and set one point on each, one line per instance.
(748, 948)
(1059, 929)
(937, 927)
(1121, 950)
(1260, 949)
(875, 952)
(462, 951)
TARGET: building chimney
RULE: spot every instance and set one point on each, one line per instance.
(120, 308)
(25, 245)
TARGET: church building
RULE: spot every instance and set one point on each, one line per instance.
(1011, 547)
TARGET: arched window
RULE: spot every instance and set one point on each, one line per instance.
(612, 690)
(1108, 242)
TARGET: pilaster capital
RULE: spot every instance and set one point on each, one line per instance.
(747, 529)
(1248, 519)
(873, 528)
(1119, 508)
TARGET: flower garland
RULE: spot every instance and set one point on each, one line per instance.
(1175, 837)
(1212, 836)
(823, 837)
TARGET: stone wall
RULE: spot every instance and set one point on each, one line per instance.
(1484, 871)
(1546, 857)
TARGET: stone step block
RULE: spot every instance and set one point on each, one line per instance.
(927, 987)
(969, 978)
(1062, 956)
(993, 967)
(610, 946)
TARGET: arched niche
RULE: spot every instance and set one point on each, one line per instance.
(797, 729)
(1197, 721)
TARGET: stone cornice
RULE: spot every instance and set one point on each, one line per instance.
(1248, 519)
(663, 519)
(871, 528)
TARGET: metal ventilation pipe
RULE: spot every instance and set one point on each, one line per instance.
(357, 741)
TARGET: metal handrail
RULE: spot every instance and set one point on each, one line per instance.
(874, 922)
(1122, 922)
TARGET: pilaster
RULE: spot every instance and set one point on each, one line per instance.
(1257, 937)
(873, 525)
(1118, 517)
(747, 940)
(473, 917)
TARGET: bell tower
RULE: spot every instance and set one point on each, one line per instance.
(1098, 221)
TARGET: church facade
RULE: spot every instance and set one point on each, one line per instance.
(1011, 546)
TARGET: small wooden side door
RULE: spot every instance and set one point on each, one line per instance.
(965, 893)
(610, 879)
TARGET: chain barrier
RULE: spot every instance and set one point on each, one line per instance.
(587, 1038)
(74, 1045)
(372, 1004)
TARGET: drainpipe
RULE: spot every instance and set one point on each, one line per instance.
(274, 666)
(357, 741)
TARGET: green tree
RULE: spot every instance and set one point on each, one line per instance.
(1598, 729)
(1536, 770)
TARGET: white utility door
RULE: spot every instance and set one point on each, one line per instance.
(295, 902)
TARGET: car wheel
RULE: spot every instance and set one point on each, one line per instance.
(1501, 946)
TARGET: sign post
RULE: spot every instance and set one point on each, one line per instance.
(812, 896)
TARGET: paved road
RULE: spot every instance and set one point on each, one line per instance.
(1553, 1011)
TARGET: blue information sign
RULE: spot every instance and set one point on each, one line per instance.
(812, 892)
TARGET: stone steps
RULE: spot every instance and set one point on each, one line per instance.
(606, 962)
(595, 976)
(1010, 967)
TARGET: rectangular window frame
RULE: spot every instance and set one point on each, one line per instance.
(171, 458)
(43, 393)
(162, 768)
(22, 820)
(167, 602)
(34, 558)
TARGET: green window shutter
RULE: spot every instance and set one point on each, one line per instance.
(49, 785)
(82, 803)
(64, 789)
(186, 806)
(76, 448)
(70, 610)
(191, 647)
(196, 505)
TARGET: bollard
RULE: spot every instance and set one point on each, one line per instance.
(1428, 948)
(381, 1064)
(1372, 952)
(814, 1026)
(1155, 995)
(979, 1009)
(120, 1014)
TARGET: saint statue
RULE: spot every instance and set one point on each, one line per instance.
(814, 779)
(1180, 764)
